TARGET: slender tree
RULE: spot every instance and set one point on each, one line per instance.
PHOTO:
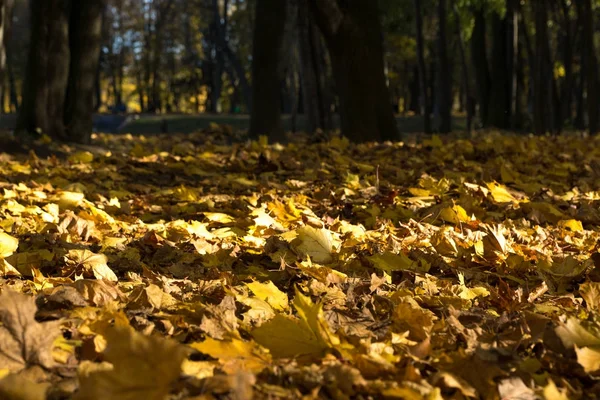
(543, 79)
(265, 117)
(591, 64)
(444, 76)
(499, 108)
(480, 64)
(353, 33)
(422, 69)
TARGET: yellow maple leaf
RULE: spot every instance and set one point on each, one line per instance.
(268, 292)
(455, 214)
(8, 244)
(235, 354)
(287, 337)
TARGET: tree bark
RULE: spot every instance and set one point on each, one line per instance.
(480, 64)
(422, 69)
(499, 113)
(567, 55)
(47, 69)
(591, 66)
(543, 74)
(85, 37)
(464, 70)
(311, 90)
(444, 76)
(265, 117)
(353, 34)
(61, 69)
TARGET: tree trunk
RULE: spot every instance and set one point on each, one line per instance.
(567, 54)
(444, 76)
(265, 117)
(61, 69)
(311, 90)
(3, 39)
(591, 67)
(500, 91)
(353, 34)
(480, 64)
(465, 71)
(422, 69)
(542, 93)
(85, 37)
(47, 70)
(12, 86)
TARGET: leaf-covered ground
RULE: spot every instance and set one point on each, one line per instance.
(175, 267)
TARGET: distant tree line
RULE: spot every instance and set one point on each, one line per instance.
(506, 64)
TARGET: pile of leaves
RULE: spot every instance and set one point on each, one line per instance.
(181, 267)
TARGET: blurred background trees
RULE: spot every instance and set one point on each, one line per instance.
(508, 64)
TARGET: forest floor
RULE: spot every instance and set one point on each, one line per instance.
(177, 266)
(151, 124)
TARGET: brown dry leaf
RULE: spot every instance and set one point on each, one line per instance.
(90, 264)
(220, 321)
(135, 367)
(98, 292)
(23, 340)
(150, 298)
(16, 387)
(590, 291)
(408, 315)
(514, 388)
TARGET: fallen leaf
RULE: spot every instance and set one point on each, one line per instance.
(268, 292)
(23, 340)
(235, 354)
(90, 264)
(136, 367)
(315, 243)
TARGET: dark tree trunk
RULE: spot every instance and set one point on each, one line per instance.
(217, 58)
(353, 34)
(422, 69)
(12, 86)
(61, 69)
(500, 92)
(543, 73)
(265, 117)
(85, 36)
(567, 55)
(312, 92)
(513, 10)
(591, 65)
(480, 64)
(4, 20)
(465, 72)
(98, 85)
(47, 70)
(414, 88)
(6, 79)
(444, 76)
